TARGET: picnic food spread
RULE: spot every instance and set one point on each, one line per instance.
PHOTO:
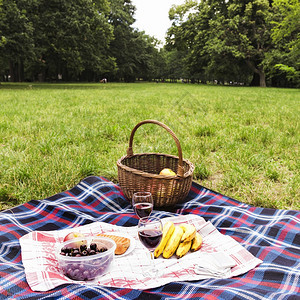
(219, 256)
(176, 239)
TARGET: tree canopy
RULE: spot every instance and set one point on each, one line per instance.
(78, 40)
(234, 39)
(252, 42)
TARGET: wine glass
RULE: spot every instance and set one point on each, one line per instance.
(142, 203)
(150, 235)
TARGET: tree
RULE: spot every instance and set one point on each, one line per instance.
(54, 37)
(136, 53)
(221, 34)
(121, 18)
(175, 64)
(17, 42)
(147, 56)
(72, 37)
(284, 60)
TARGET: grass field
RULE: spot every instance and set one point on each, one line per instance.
(244, 142)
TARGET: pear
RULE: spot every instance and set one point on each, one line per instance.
(167, 172)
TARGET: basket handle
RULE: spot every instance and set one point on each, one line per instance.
(180, 171)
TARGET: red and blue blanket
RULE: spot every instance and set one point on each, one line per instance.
(269, 234)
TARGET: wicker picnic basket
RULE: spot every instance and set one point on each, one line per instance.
(140, 173)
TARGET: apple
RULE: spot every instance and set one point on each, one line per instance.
(75, 235)
(167, 172)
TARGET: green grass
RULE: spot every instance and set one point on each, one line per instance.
(244, 142)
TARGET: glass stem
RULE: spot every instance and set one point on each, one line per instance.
(153, 267)
(152, 257)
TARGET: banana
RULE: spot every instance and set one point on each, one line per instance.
(173, 242)
(168, 230)
(196, 242)
(183, 248)
(189, 232)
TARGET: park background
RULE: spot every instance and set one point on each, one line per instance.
(227, 42)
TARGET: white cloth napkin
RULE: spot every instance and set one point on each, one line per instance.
(217, 265)
(219, 257)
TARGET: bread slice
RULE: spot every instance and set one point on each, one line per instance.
(123, 243)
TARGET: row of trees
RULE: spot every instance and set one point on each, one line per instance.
(255, 42)
(76, 40)
(225, 39)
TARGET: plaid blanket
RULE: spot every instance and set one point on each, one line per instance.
(269, 234)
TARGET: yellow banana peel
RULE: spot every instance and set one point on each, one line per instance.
(168, 230)
(183, 248)
(196, 242)
(189, 232)
(173, 242)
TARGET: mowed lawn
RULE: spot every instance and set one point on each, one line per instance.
(243, 141)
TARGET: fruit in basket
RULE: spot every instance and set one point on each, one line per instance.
(189, 232)
(75, 235)
(168, 230)
(183, 248)
(167, 172)
(196, 242)
(173, 242)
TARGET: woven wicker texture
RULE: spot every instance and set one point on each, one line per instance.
(140, 172)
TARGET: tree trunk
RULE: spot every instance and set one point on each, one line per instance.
(21, 70)
(255, 80)
(259, 71)
(262, 79)
(12, 71)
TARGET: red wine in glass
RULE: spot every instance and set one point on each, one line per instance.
(142, 203)
(150, 238)
(150, 234)
(143, 209)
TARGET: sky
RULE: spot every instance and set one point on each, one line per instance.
(152, 16)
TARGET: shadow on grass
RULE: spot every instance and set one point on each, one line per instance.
(55, 86)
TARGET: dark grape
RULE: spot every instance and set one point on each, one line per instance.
(83, 248)
(75, 252)
(82, 251)
(92, 252)
(93, 246)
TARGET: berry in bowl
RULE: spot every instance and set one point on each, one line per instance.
(86, 259)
